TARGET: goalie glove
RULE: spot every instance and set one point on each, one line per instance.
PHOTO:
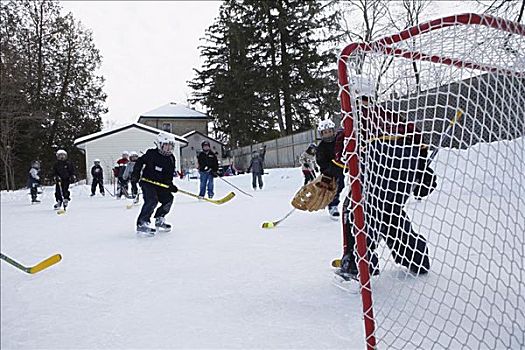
(316, 195)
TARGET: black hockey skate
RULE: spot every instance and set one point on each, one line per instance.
(162, 225)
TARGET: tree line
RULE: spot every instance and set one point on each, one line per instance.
(50, 91)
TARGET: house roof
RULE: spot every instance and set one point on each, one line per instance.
(202, 135)
(108, 132)
(175, 111)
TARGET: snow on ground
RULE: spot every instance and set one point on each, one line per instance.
(219, 280)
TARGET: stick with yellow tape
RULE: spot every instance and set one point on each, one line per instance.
(52, 260)
(223, 200)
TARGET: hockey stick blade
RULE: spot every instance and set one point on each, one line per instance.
(336, 263)
(272, 224)
(52, 260)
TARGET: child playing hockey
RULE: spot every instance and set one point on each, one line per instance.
(34, 180)
(157, 167)
(120, 167)
(64, 174)
(257, 169)
(308, 163)
(133, 156)
(208, 167)
(98, 178)
(328, 159)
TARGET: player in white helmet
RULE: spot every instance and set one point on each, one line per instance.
(63, 174)
(97, 175)
(133, 156)
(155, 170)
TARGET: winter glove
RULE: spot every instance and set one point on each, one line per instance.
(425, 182)
(306, 165)
(316, 195)
(173, 188)
(316, 169)
(214, 174)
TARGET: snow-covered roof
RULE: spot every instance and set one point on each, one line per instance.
(174, 110)
(202, 135)
(107, 132)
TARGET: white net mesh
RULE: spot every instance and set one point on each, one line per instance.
(440, 152)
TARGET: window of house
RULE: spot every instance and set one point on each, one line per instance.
(166, 127)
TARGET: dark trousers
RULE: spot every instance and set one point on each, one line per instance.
(97, 181)
(390, 172)
(34, 190)
(122, 187)
(308, 176)
(153, 195)
(257, 178)
(62, 191)
(340, 185)
(134, 189)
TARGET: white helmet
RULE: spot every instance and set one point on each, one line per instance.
(362, 86)
(96, 160)
(325, 125)
(133, 154)
(125, 153)
(165, 138)
(61, 152)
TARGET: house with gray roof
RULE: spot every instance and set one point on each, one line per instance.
(176, 118)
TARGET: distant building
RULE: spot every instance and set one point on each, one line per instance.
(176, 118)
(108, 145)
(190, 150)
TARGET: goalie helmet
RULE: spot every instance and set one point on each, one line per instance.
(361, 86)
(96, 161)
(165, 143)
(325, 125)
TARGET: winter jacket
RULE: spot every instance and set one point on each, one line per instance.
(64, 170)
(157, 167)
(34, 177)
(328, 156)
(256, 166)
(128, 171)
(97, 172)
(208, 161)
(308, 162)
(118, 170)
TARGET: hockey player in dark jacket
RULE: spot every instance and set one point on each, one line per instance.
(208, 167)
(98, 178)
(63, 174)
(327, 158)
(257, 169)
(157, 167)
(33, 181)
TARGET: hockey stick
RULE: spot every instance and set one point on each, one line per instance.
(61, 211)
(108, 191)
(134, 202)
(52, 260)
(445, 136)
(272, 224)
(223, 200)
(237, 188)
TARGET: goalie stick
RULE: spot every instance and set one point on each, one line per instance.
(52, 260)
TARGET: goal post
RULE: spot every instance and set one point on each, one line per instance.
(434, 125)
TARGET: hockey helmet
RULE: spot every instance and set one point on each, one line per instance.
(61, 154)
(166, 143)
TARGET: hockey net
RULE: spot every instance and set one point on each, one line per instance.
(460, 81)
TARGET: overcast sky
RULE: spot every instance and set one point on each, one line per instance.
(149, 49)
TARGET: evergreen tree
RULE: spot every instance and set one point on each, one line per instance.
(51, 93)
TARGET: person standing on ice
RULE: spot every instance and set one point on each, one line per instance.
(63, 174)
(257, 169)
(133, 156)
(155, 171)
(308, 164)
(328, 159)
(34, 180)
(122, 185)
(98, 178)
(208, 166)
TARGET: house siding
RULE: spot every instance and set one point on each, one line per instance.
(109, 149)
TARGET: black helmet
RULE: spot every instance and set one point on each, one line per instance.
(205, 143)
